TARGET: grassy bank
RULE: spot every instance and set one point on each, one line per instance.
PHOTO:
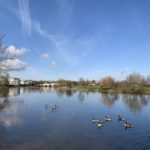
(145, 91)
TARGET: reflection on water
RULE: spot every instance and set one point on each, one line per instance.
(4, 91)
(10, 115)
(26, 124)
(65, 92)
(81, 96)
(109, 99)
(10, 112)
(9, 108)
(134, 102)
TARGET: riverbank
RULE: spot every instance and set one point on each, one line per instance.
(145, 91)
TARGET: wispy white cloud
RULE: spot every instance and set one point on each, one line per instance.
(37, 28)
(44, 55)
(69, 49)
(64, 46)
(73, 50)
(53, 64)
(25, 16)
(66, 8)
(125, 70)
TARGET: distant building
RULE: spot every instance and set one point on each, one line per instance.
(92, 84)
(22, 82)
(3, 80)
(14, 81)
(28, 82)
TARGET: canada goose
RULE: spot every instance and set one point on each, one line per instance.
(94, 120)
(107, 118)
(53, 109)
(54, 106)
(121, 118)
(100, 124)
(128, 125)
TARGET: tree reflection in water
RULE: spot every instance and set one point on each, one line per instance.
(65, 92)
(81, 96)
(4, 95)
(69, 92)
(136, 102)
(9, 108)
(4, 103)
(60, 92)
(4, 92)
(109, 99)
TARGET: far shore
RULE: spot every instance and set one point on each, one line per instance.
(145, 91)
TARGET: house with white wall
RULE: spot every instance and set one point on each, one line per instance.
(14, 81)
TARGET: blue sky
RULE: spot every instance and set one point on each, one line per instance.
(70, 39)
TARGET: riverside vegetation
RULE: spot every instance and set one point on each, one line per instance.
(134, 83)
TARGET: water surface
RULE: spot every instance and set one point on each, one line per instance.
(25, 123)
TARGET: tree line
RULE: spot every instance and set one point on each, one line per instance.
(133, 83)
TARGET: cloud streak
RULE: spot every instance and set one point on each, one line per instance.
(44, 55)
(25, 16)
(125, 70)
(66, 47)
(65, 12)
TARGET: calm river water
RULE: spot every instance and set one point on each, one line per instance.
(26, 124)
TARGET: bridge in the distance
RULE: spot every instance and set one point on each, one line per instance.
(48, 84)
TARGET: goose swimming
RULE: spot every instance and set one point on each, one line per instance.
(107, 118)
(53, 107)
(94, 120)
(128, 125)
(100, 124)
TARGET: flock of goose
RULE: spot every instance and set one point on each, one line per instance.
(107, 118)
(100, 124)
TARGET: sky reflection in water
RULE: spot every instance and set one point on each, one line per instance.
(25, 123)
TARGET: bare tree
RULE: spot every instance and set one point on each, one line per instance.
(81, 81)
(107, 82)
(135, 78)
(1, 41)
(147, 80)
(134, 83)
(2, 56)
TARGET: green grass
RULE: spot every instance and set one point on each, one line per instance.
(146, 90)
